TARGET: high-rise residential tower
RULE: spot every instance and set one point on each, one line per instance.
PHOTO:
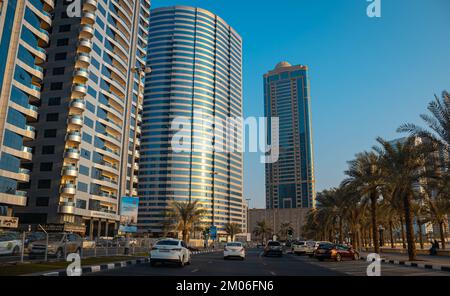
(290, 180)
(24, 33)
(86, 149)
(196, 62)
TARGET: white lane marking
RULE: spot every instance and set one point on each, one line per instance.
(195, 270)
(273, 273)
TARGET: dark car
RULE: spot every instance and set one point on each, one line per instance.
(273, 248)
(335, 252)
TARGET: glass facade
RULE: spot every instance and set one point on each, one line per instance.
(24, 27)
(290, 180)
(196, 62)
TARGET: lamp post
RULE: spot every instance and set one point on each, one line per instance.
(381, 230)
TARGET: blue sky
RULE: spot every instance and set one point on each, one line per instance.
(367, 75)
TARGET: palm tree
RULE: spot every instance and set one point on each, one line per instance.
(403, 166)
(438, 123)
(184, 216)
(232, 229)
(364, 177)
(284, 228)
(262, 229)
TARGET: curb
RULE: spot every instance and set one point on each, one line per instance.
(413, 264)
(110, 266)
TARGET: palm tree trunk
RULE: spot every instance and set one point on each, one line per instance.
(391, 233)
(369, 233)
(403, 232)
(341, 237)
(442, 232)
(373, 212)
(419, 224)
(409, 228)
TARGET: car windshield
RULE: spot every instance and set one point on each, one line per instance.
(55, 237)
(6, 236)
(167, 243)
(234, 245)
(273, 244)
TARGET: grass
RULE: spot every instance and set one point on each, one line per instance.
(29, 268)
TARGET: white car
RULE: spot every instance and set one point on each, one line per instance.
(304, 248)
(170, 250)
(10, 243)
(234, 249)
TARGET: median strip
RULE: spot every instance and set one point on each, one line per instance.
(413, 264)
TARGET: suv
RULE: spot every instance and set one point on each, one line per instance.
(59, 245)
(273, 248)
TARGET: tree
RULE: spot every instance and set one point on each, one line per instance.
(184, 216)
(284, 228)
(403, 164)
(232, 229)
(262, 229)
(364, 177)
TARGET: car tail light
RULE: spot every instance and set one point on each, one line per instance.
(333, 252)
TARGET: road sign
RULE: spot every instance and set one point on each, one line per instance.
(213, 232)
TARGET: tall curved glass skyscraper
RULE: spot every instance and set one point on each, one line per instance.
(196, 61)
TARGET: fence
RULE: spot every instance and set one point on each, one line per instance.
(39, 246)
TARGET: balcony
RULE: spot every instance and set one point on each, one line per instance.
(135, 179)
(69, 189)
(80, 75)
(74, 136)
(138, 142)
(86, 31)
(73, 154)
(75, 120)
(136, 166)
(78, 104)
(88, 18)
(24, 175)
(79, 90)
(137, 154)
(66, 207)
(138, 130)
(90, 5)
(83, 60)
(27, 153)
(70, 171)
(50, 4)
(85, 45)
(29, 132)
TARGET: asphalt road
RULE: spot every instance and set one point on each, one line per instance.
(213, 264)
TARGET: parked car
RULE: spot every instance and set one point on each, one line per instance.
(170, 250)
(234, 250)
(88, 243)
(273, 248)
(59, 245)
(10, 243)
(335, 252)
(33, 237)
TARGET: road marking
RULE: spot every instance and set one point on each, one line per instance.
(195, 270)
(273, 273)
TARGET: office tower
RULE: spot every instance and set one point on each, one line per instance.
(290, 180)
(86, 149)
(24, 26)
(196, 62)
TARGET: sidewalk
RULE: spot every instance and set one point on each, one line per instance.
(422, 261)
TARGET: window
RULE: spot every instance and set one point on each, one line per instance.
(56, 86)
(85, 154)
(58, 71)
(48, 149)
(89, 122)
(87, 138)
(55, 101)
(46, 166)
(44, 184)
(42, 201)
(84, 170)
(82, 186)
(64, 28)
(60, 56)
(52, 116)
(62, 42)
(50, 133)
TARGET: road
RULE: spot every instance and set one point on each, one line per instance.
(213, 264)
